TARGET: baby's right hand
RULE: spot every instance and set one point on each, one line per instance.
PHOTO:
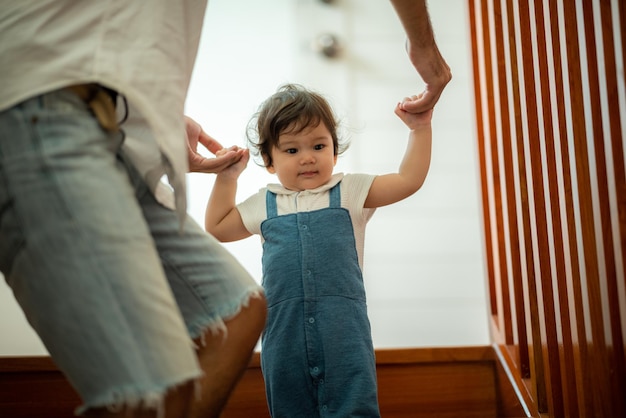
(235, 169)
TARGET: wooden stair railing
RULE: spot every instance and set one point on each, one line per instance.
(550, 112)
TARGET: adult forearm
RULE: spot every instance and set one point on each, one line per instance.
(421, 45)
(423, 53)
(414, 17)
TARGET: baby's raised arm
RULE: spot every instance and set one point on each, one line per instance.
(391, 188)
(221, 218)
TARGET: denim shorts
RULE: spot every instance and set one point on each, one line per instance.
(102, 271)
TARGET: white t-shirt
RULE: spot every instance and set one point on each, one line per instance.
(144, 50)
(354, 190)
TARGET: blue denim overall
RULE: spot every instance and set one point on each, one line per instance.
(317, 355)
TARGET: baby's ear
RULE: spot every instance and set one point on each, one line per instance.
(268, 165)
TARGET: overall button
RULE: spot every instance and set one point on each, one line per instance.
(311, 320)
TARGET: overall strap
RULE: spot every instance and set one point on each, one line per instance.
(270, 204)
(335, 196)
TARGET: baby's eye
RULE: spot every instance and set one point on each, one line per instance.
(291, 150)
(319, 146)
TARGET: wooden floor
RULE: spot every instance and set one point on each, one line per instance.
(461, 382)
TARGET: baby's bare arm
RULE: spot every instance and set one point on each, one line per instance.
(391, 188)
(221, 218)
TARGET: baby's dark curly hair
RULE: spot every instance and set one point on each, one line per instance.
(290, 110)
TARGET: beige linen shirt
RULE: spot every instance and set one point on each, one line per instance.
(144, 50)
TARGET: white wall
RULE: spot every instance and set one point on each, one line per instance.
(423, 260)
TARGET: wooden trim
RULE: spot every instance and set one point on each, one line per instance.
(515, 397)
(27, 364)
(447, 382)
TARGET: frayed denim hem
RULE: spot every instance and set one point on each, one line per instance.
(154, 397)
(132, 397)
(216, 322)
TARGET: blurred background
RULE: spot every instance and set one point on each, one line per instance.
(424, 263)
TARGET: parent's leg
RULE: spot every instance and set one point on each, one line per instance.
(223, 306)
(78, 254)
(224, 356)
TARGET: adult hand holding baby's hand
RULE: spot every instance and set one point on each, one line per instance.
(413, 120)
(224, 157)
(236, 168)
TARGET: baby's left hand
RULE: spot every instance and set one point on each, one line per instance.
(413, 120)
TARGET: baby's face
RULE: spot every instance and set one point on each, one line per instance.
(305, 160)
